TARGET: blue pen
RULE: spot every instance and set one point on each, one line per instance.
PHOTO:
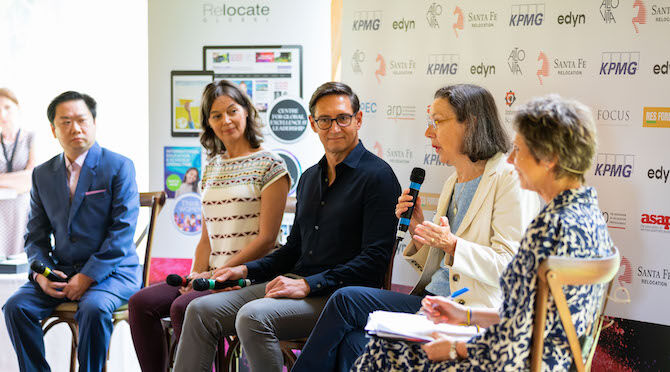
(459, 292)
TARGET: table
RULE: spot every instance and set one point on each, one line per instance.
(57, 341)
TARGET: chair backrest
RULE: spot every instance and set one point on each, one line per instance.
(154, 200)
(555, 272)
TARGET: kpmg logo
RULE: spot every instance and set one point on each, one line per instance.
(442, 64)
(252, 11)
(430, 157)
(356, 59)
(606, 10)
(482, 19)
(434, 11)
(612, 116)
(458, 25)
(656, 117)
(482, 69)
(571, 19)
(641, 17)
(400, 112)
(619, 63)
(381, 68)
(404, 25)
(659, 174)
(367, 20)
(524, 15)
(543, 71)
(516, 55)
(614, 165)
(655, 223)
(569, 66)
(615, 220)
(510, 98)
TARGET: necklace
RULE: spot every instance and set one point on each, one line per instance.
(456, 197)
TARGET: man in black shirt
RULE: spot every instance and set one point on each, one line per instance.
(343, 233)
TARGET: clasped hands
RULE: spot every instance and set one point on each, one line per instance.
(279, 287)
(72, 290)
(426, 232)
(442, 310)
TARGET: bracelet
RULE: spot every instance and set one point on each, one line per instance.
(468, 314)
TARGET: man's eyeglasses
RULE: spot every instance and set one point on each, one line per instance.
(343, 120)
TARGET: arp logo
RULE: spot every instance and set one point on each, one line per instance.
(517, 55)
(458, 25)
(619, 63)
(381, 69)
(526, 15)
(356, 59)
(606, 10)
(442, 64)
(434, 10)
(544, 68)
(641, 17)
(614, 165)
(367, 20)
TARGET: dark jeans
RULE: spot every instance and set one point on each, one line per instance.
(146, 308)
(339, 336)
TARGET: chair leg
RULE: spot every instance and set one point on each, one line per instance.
(74, 328)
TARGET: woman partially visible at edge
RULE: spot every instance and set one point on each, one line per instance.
(553, 149)
(244, 189)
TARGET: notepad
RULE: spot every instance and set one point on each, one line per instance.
(414, 327)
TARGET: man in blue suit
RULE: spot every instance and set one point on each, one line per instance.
(87, 199)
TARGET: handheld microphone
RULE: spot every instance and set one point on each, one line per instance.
(416, 179)
(205, 284)
(42, 269)
(177, 280)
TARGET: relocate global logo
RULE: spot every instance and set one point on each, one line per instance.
(238, 11)
(656, 117)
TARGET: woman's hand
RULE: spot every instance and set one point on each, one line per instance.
(443, 310)
(193, 276)
(438, 236)
(404, 203)
(438, 350)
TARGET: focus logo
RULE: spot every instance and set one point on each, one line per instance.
(526, 15)
(356, 59)
(367, 20)
(543, 71)
(606, 8)
(434, 10)
(381, 68)
(458, 25)
(516, 55)
(614, 165)
(619, 63)
(655, 222)
(608, 116)
(656, 117)
(641, 17)
(442, 64)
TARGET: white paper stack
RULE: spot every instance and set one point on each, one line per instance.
(414, 327)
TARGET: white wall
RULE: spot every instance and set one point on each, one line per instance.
(92, 46)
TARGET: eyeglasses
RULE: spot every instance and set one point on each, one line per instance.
(432, 124)
(343, 120)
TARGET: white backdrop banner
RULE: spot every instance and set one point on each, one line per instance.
(612, 55)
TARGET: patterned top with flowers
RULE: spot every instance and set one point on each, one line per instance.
(231, 200)
(570, 225)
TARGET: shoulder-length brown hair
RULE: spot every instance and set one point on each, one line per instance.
(208, 138)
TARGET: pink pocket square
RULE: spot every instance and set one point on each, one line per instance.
(93, 192)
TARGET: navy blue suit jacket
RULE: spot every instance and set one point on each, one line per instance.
(93, 233)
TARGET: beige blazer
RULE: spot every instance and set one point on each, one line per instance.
(488, 237)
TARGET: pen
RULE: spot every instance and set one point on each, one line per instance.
(459, 292)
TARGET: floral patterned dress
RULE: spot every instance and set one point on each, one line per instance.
(570, 225)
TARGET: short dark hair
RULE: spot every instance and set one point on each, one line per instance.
(475, 107)
(70, 96)
(337, 89)
(214, 90)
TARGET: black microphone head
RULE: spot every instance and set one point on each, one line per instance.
(174, 280)
(37, 267)
(417, 176)
(200, 284)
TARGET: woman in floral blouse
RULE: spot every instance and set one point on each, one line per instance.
(553, 148)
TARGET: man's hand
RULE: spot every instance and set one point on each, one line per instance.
(77, 286)
(283, 287)
(230, 273)
(53, 289)
(438, 350)
(193, 276)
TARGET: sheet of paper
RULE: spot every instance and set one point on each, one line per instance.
(414, 327)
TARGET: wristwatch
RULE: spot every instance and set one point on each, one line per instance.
(452, 352)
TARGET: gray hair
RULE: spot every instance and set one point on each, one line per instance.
(556, 127)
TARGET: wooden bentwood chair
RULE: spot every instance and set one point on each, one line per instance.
(64, 313)
(553, 274)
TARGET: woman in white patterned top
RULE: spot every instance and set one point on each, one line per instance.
(244, 189)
